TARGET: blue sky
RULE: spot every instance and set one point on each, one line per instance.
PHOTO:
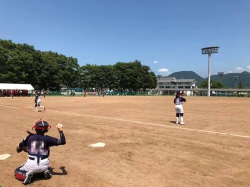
(166, 35)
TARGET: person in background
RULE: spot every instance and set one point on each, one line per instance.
(44, 93)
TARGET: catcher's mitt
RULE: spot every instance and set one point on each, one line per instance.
(20, 149)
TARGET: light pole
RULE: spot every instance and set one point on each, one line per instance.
(209, 51)
(220, 75)
(236, 78)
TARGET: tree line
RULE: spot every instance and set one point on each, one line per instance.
(23, 64)
(218, 84)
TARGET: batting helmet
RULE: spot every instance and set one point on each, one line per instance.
(41, 126)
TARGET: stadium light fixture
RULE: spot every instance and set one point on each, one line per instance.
(209, 51)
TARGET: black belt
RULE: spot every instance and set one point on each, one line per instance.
(42, 158)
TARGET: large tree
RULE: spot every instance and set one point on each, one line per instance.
(240, 85)
(214, 84)
(21, 63)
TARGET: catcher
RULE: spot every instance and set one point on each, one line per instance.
(38, 148)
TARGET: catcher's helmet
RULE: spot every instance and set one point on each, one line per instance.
(41, 126)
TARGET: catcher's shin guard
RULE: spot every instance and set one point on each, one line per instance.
(19, 174)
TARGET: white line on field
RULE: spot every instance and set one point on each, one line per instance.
(9, 106)
(159, 125)
(145, 123)
(58, 101)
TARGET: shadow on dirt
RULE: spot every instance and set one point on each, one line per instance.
(64, 172)
(172, 122)
(40, 176)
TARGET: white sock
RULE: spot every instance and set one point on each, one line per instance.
(182, 120)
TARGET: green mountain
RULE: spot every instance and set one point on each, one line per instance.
(227, 79)
(187, 75)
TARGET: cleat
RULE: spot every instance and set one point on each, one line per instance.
(47, 174)
(27, 179)
(182, 123)
(176, 122)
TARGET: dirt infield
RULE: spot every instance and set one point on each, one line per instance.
(144, 147)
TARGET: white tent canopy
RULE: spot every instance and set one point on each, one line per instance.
(10, 86)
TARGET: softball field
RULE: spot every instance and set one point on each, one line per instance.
(143, 145)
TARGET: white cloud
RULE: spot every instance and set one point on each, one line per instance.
(163, 70)
(155, 62)
(239, 68)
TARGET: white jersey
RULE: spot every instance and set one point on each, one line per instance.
(39, 99)
(178, 101)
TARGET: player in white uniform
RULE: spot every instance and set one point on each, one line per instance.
(38, 101)
(178, 101)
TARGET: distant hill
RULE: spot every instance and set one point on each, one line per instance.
(227, 79)
(187, 75)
